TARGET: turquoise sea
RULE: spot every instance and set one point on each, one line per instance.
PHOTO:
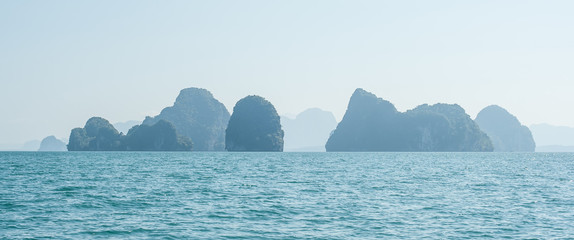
(193, 195)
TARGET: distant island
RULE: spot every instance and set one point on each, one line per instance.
(200, 122)
(52, 144)
(308, 131)
(373, 124)
(99, 135)
(254, 126)
(504, 130)
(551, 138)
(198, 115)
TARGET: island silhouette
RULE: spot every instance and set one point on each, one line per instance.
(198, 121)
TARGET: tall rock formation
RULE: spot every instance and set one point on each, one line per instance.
(446, 128)
(308, 131)
(254, 126)
(373, 124)
(97, 135)
(199, 116)
(368, 125)
(504, 130)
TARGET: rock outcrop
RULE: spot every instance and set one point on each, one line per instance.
(99, 135)
(373, 124)
(161, 136)
(199, 116)
(254, 126)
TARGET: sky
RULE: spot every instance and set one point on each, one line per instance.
(62, 62)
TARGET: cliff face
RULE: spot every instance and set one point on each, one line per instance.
(368, 125)
(373, 124)
(254, 126)
(446, 127)
(505, 131)
(97, 135)
(199, 116)
(161, 136)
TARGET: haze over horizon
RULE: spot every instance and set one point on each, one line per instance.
(62, 62)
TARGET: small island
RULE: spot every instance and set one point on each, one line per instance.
(254, 126)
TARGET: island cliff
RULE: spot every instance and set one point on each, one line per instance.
(254, 126)
(199, 116)
(161, 136)
(99, 135)
(373, 124)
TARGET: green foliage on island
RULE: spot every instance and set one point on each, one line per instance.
(99, 135)
(373, 124)
(505, 131)
(368, 125)
(254, 126)
(199, 116)
(447, 128)
(161, 136)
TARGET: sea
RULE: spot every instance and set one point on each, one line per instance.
(205, 195)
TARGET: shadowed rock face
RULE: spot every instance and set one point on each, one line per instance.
(368, 125)
(161, 136)
(97, 135)
(373, 124)
(254, 126)
(505, 131)
(199, 116)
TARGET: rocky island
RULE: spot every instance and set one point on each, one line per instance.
(198, 115)
(373, 124)
(99, 135)
(254, 126)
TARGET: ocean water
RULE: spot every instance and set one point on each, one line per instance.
(135, 195)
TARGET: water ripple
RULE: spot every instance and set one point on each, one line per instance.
(286, 195)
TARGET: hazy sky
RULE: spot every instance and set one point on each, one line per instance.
(62, 62)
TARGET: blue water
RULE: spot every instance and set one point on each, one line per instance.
(125, 195)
